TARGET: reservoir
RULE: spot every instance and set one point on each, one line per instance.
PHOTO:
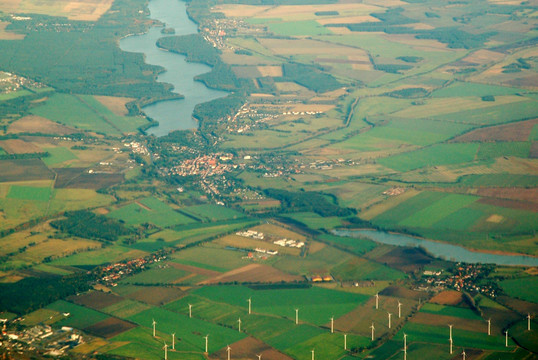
(439, 249)
(172, 114)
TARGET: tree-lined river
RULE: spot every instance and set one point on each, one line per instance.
(172, 114)
(439, 249)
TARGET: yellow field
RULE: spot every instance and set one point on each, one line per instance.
(270, 70)
(388, 204)
(87, 10)
(115, 104)
(450, 105)
(312, 47)
(37, 124)
(418, 44)
(483, 56)
(347, 19)
(8, 35)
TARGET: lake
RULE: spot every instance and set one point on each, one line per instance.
(172, 114)
(440, 249)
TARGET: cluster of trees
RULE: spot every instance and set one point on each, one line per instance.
(517, 66)
(31, 293)
(86, 224)
(409, 93)
(308, 201)
(207, 113)
(310, 77)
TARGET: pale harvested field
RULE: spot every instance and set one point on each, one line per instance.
(289, 87)
(236, 59)
(347, 19)
(17, 146)
(388, 204)
(239, 10)
(385, 3)
(270, 70)
(418, 44)
(254, 273)
(88, 10)
(483, 56)
(37, 124)
(421, 26)
(447, 297)
(278, 232)
(340, 30)
(450, 105)
(8, 35)
(310, 47)
(114, 103)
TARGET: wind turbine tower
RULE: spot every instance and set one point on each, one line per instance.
(399, 309)
(190, 311)
(489, 326)
(228, 350)
(249, 305)
(345, 341)
(390, 315)
(450, 341)
(450, 327)
(528, 322)
(373, 329)
(405, 346)
(377, 301)
(165, 347)
(312, 354)
(239, 322)
(173, 341)
(506, 339)
(259, 357)
(463, 354)
(206, 337)
(153, 323)
(296, 316)
(332, 325)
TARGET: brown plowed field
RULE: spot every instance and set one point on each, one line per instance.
(248, 348)
(156, 295)
(405, 259)
(511, 204)
(401, 292)
(96, 300)
(24, 170)
(37, 124)
(78, 178)
(254, 273)
(519, 131)
(115, 104)
(194, 269)
(442, 320)
(448, 297)
(530, 195)
(533, 154)
(17, 146)
(109, 327)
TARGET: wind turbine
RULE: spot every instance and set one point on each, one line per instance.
(506, 339)
(239, 321)
(206, 337)
(259, 357)
(312, 354)
(165, 347)
(249, 305)
(390, 315)
(332, 325)
(173, 341)
(190, 310)
(489, 326)
(450, 327)
(528, 322)
(153, 323)
(373, 329)
(450, 341)
(399, 309)
(296, 316)
(463, 354)
(345, 341)
(228, 350)
(405, 346)
(377, 301)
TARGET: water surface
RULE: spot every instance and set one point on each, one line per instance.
(172, 114)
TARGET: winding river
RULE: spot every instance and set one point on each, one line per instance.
(441, 250)
(172, 114)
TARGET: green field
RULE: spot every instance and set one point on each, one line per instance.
(212, 212)
(79, 317)
(210, 258)
(189, 330)
(29, 193)
(458, 89)
(357, 246)
(152, 211)
(125, 308)
(450, 311)
(489, 151)
(101, 256)
(360, 269)
(315, 221)
(58, 155)
(316, 305)
(525, 288)
(302, 28)
(158, 274)
(440, 154)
